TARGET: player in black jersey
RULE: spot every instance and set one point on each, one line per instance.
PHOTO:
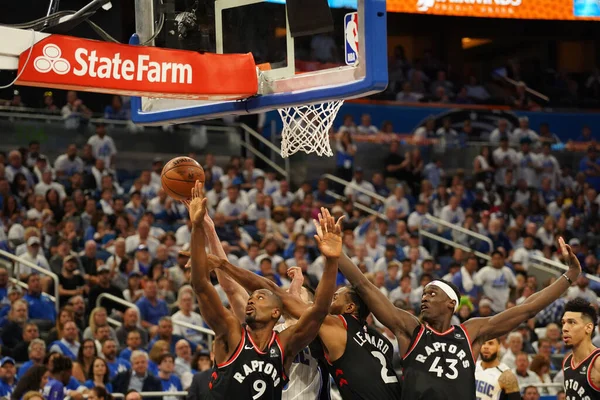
(438, 358)
(252, 359)
(581, 368)
(359, 358)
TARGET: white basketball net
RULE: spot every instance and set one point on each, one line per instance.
(306, 128)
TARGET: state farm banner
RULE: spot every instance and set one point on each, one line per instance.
(522, 9)
(71, 63)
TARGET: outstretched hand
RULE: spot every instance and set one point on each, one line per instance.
(329, 234)
(197, 206)
(295, 273)
(570, 259)
(214, 262)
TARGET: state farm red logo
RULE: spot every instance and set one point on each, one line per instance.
(51, 61)
(78, 64)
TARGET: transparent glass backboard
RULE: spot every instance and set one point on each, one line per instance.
(349, 61)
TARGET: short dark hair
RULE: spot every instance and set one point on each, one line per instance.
(61, 364)
(584, 307)
(497, 252)
(163, 357)
(361, 307)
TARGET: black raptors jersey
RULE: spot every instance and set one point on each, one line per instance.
(578, 382)
(365, 370)
(439, 366)
(250, 373)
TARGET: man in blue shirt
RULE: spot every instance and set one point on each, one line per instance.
(170, 381)
(60, 374)
(115, 365)
(152, 309)
(590, 166)
(165, 332)
(8, 381)
(40, 305)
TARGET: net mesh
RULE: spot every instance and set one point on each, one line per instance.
(306, 128)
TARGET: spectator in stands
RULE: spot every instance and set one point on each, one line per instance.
(8, 382)
(170, 381)
(187, 315)
(366, 127)
(69, 344)
(69, 163)
(15, 166)
(36, 352)
(138, 378)
(522, 256)
(515, 347)
(525, 376)
(395, 164)
(116, 110)
(407, 95)
(40, 305)
(134, 342)
(83, 366)
(142, 238)
(541, 366)
(77, 303)
(99, 376)
(75, 113)
(581, 289)
(116, 365)
(345, 151)
(352, 191)
(20, 351)
(442, 82)
(49, 105)
(71, 283)
(13, 329)
(586, 135)
(104, 285)
(476, 90)
(152, 309)
(465, 278)
(348, 125)
(502, 131)
(590, 166)
(496, 281)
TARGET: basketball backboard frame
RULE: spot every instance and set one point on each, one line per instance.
(282, 87)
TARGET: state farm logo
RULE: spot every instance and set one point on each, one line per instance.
(51, 61)
(89, 64)
(426, 5)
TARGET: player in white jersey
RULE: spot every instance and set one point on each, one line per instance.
(308, 379)
(494, 380)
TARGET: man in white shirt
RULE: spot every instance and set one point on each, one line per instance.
(250, 172)
(157, 166)
(15, 166)
(452, 212)
(34, 256)
(69, 163)
(523, 131)
(46, 184)
(103, 146)
(525, 376)
(366, 127)
(528, 164)
(514, 342)
(581, 289)
(505, 158)
(250, 261)
(521, 256)
(142, 237)
(398, 202)
(496, 281)
(389, 257)
(283, 197)
(501, 131)
(415, 217)
(183, 234)
(232, 207)
(186, 314)
(374, 249)
(258, 209)
(550, 168)
(352, 190)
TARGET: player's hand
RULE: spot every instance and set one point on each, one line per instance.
(295, 273)
(330, 239)
(570, 259)
(197, 206)
(214, 262)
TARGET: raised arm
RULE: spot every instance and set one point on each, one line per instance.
(298, 336)
(222, 321)
(398, 321)
(237, 296)
(482, 329)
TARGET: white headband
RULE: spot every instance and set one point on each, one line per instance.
(447, 289)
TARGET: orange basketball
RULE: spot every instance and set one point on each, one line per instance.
(179, 177)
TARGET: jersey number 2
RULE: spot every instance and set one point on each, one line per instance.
(386, 378)
(437, 369)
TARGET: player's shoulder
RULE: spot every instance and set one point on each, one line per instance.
(508, 381)
(503, 367)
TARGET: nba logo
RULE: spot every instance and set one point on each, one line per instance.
(351, 31)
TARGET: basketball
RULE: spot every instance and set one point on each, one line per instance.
(179, 176)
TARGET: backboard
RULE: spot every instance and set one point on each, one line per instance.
(348, 62)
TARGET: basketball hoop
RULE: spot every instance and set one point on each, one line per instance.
(306, 128)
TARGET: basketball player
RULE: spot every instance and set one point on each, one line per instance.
(308, 378)
(439, 358)
(581, 368)
(494, 380)
(253, 360)
(359, 358)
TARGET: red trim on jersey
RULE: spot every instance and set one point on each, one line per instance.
(442, 333)
(589, 372)
(415, 342)
(256, 347)
(582, 361)
(344, 321)
(468, 340)
(237, 352)
(276, 338)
